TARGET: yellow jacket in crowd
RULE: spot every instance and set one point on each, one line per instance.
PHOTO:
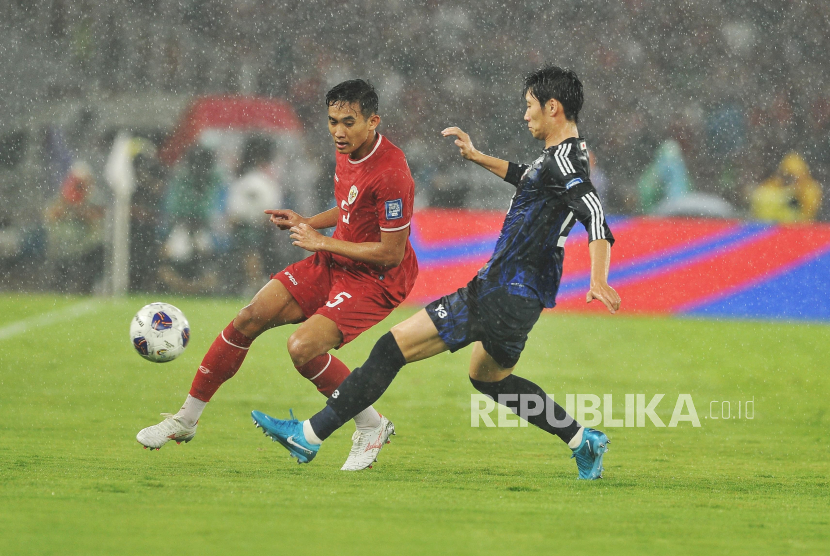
(789, 195)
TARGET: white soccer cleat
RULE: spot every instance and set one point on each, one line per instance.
(367, 444)
(170, 429)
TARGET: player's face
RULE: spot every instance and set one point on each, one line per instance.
(535, 118)
(350, 129)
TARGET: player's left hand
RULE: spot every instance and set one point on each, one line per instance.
(463, 142)
(605, 293)
(308, 238)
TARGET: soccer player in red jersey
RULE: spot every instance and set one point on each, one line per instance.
(353, 280)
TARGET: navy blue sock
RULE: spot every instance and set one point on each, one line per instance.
(544, 413)
(361, 388)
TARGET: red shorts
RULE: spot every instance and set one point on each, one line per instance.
(354, 301)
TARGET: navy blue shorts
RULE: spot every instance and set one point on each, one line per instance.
(485, 312)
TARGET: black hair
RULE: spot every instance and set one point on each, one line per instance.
(557, 83)
(355, 91)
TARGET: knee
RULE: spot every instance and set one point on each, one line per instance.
(488, 375)
(249, 321)
(487, 387)
(301, 349)
(478, 376)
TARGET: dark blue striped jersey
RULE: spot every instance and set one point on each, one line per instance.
(552, 193)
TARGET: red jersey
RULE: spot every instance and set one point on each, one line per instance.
(375, 194)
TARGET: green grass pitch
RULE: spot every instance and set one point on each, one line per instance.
(73, 480)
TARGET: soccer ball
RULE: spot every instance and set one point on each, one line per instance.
(159, 332)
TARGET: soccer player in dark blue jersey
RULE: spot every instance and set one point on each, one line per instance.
(500, 305)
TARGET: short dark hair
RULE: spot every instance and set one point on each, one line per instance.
(557, 83)
(355, 91)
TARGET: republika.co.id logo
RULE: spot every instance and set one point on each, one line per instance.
(590, 410)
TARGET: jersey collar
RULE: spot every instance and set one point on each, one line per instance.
(380, 138)
(554, 147)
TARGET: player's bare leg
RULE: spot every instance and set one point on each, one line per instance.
(484, 368)
(417, 337)
(313, 338)
(272, 306)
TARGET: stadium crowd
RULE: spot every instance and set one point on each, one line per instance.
(726, 99)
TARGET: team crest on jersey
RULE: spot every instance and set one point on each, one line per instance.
(352, 194)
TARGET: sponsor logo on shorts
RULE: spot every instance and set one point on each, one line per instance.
(293, 280)
(394, 209)
(573, 182)
(204, 370)
(338, 299)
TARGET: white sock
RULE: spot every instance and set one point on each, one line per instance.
(191, 411)
(308, 432)
(367, 419)
(576, 440)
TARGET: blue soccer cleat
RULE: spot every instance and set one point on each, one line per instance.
(589, 454)
(289, 433)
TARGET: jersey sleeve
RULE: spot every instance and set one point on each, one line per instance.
(586, 206)
(568, 175)
(515, 173)
(394, 198)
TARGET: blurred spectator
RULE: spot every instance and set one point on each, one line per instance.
(598, 176)
(789, 195)
(193, 199)
(665, 179)
(255, 190)
(449, 187)
(75, 238)
(736, 84)
(146, 219)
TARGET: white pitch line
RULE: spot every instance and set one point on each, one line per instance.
(53, 317)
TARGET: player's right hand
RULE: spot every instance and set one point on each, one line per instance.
(285, 219)
(605, 293)
(463, 142)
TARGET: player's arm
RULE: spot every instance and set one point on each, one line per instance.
(468, 151)
(583, 201)
(392, 192)
(388, 252)
(600, 251)
(287, 219)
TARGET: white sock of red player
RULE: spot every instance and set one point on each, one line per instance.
(191, 411)
(367, 419)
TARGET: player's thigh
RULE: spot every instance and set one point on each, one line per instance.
(272, 306)
(417, 337)
(484, 368)
(314, 337)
